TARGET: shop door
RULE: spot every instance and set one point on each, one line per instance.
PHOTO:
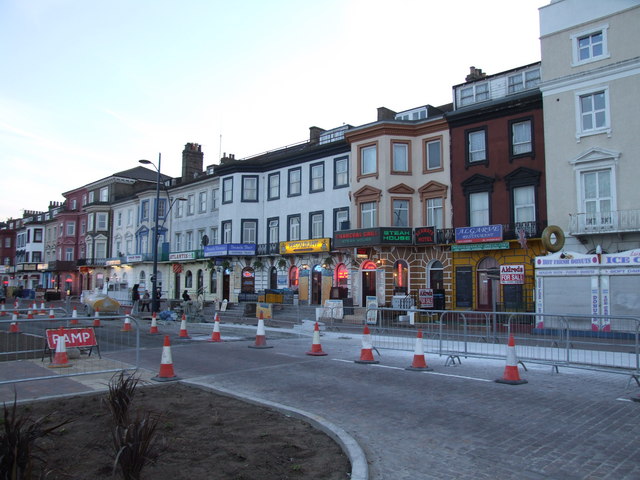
(316, 286)
(486, 284)
(368, 285)
(176, 286)
(226, 280)
(273, 278)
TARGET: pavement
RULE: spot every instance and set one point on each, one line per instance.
(452, 422)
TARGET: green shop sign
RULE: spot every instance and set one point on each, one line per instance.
(468, 247)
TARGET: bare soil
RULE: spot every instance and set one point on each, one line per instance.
(201, 435)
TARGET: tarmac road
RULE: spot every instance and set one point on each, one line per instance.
(454, 422)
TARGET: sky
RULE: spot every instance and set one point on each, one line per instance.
(87, 88)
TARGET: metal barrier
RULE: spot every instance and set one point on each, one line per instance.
(598, 342)
(25, 354)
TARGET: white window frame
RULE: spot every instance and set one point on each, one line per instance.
(521, 144)
(601, 161)
(227, 190)
(191, 204)
(606, 128)
(249, 231)
(368, 160)
(525, 81)
(368, 214)
(520, 207)
(479, 92)
(294, 226)
(575, 45)
(483, 132)
(316, 174)
(70, 230)
(202, 202)
(434, 212)
(317, 225)
(102, 218)
(104, 194)
(474, 215)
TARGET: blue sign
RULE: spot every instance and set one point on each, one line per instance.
(484, 233)
(240, 249)
(215, 250)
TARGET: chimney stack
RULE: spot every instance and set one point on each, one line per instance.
(314, 134)
(475, 74)
(192, 161)
(385, 114)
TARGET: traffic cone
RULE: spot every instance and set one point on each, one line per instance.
(261, 339)
(51, 313)
(183, 328)
(419, 362)
(511, 375)
(60, 359)
(43, 309)
(366, 354)
(2, 311)
(154, 324)
(215, 335)
(29, 314)
(166, 373)
(74, 317)
(34, 307)
(13, 326)
(316, 348)
(126, 327)
(96, 319)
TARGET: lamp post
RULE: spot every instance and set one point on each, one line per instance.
(154, 276)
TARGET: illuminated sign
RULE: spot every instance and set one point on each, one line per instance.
(305, 246)
(112, 263)
(356, 238)
(396, 235)
(134, 258)
(425, 235)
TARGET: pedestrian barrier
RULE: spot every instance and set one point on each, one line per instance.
(598, 342)
(22, 354)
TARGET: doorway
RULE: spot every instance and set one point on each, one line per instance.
(226, 281)
(368, 281)
(486, 284)
(176, 286)
(316, 285)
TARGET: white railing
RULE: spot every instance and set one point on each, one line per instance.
(605, 222)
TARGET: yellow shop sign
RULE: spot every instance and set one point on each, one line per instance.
(305, 246)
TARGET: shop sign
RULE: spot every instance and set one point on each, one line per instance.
(29, 267)
(3, 269)
(397, 235)
(216, 250)
(240, 249)
(566, 259)
(305, 246)
(182, 256)
(134, 258)
(511, 274)
(425, 235)
(484, 233)
(43, 266)
(111, 263)
(480, 246)
(356, 238)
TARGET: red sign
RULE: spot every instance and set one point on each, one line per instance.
(426, 297)
(511, 274)
(177, 268)
(73, 337)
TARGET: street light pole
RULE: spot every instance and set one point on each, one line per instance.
(154, 276)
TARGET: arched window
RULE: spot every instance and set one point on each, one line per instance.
(188, 279)
(400, 277)
(293, 278)
(143, 278)
(200, 281)
(213, 282)
(369, 265)
(248, 280)
(435, 274)
(341, 275)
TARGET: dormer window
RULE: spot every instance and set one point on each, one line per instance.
(524, 80)
(474, 94)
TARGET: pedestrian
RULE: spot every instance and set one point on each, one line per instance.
(185, 296)
(135, 294)
(146, 302)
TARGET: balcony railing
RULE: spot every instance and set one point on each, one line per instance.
(604, 222)
(92, 262)
(62, 266)
(268, 248)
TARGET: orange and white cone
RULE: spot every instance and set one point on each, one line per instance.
(316, 348)
(43, 309)
(419, 361)
(34, 307)
(29, 314)
(13, 326)
(3, 312)
(511, 375)
(166, 373)
(261, 338)
(366, 354)
(215, 335)
(74, 317)
(183, 328)
(126, 326)
(51, 313)
(96, 319)
(60, 359)
(154, 324)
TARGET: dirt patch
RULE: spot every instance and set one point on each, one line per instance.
(204, 436)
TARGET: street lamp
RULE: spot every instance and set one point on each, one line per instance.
(154, 276)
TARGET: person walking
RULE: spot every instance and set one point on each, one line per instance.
(145, 303)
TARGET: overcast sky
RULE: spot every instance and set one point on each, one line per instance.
(90, 87)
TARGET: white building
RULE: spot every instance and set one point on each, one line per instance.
(591, 97)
